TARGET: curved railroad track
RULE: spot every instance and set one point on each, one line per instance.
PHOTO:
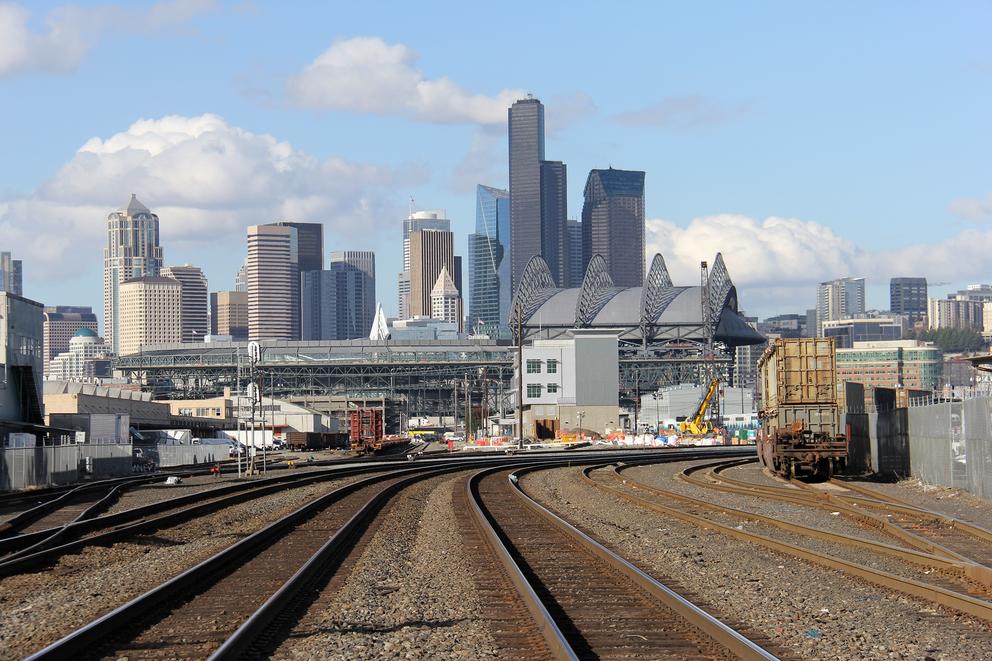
(226, 606)
(588, 601)
(920, 528)
(952, 589)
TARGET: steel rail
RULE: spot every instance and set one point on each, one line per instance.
(962, 603)
(710, 626)
(553, 637)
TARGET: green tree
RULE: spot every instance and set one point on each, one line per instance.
(951, 339)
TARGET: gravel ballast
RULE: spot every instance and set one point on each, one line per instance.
(410, 595)
(815, 612)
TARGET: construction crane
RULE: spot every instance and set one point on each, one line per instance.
(698, 425)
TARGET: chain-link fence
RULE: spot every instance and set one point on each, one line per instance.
(950, 443)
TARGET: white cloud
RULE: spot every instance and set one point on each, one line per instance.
(777, 262)
(207, 180)
(71, 31)
(365, 74)
(973, 209)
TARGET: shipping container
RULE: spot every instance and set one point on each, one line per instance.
(798, 370)
(800, 418)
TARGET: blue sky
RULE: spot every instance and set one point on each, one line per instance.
(803, 141)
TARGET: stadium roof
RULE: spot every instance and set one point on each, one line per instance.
(658, 311)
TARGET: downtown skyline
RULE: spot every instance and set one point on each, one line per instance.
(862, 156)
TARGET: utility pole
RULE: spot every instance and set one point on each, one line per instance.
(520, 375)
(468, 408)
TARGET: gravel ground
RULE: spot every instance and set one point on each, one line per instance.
(815, 612)
(951, 502)
(38, 608)
(663, 477)
(409, 596)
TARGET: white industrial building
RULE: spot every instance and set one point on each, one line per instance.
(571, 383)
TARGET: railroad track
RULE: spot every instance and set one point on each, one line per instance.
(30, 551)
(228, 605)
(588, 601)
(612, 479)
(920, 528)
(240, 602)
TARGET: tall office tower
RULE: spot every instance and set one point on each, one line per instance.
(554, 223)
(446, 302)
(417, 220)
(430, 251)
(273, 277)
(196, 321)
(132, 251)
(241, 277)
(837, 299)
(11, 274)
(613, 224)
(151, 312)
(60, 325)
(229, 314)
(489, 261)
(309, 255)
(526, 138)
(908, 297)
(336, 301)
(573, 253)
(354, 279)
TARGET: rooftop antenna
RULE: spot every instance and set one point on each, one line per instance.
(411, 205)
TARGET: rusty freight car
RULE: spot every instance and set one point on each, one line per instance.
(800, 420)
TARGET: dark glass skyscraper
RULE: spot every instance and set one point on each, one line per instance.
(908, 296)
(489, 262)
(554, 210)
(526, 138)
(613, 224)
(573, 252)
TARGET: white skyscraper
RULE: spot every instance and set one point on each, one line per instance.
(839, 299)
(132, 251)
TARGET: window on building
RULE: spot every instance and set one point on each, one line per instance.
(552, 387)
(552, 366)
(533, 367)
(533, 390)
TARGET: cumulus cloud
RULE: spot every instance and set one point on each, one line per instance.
(365, 74)
(206, 179)
(70, 31)
(683, 112)
(776, 262)
(973, 209)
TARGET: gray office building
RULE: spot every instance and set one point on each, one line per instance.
(908, 297)
(309, 255)
(613, 224)
(11, 274)
(339, 303)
